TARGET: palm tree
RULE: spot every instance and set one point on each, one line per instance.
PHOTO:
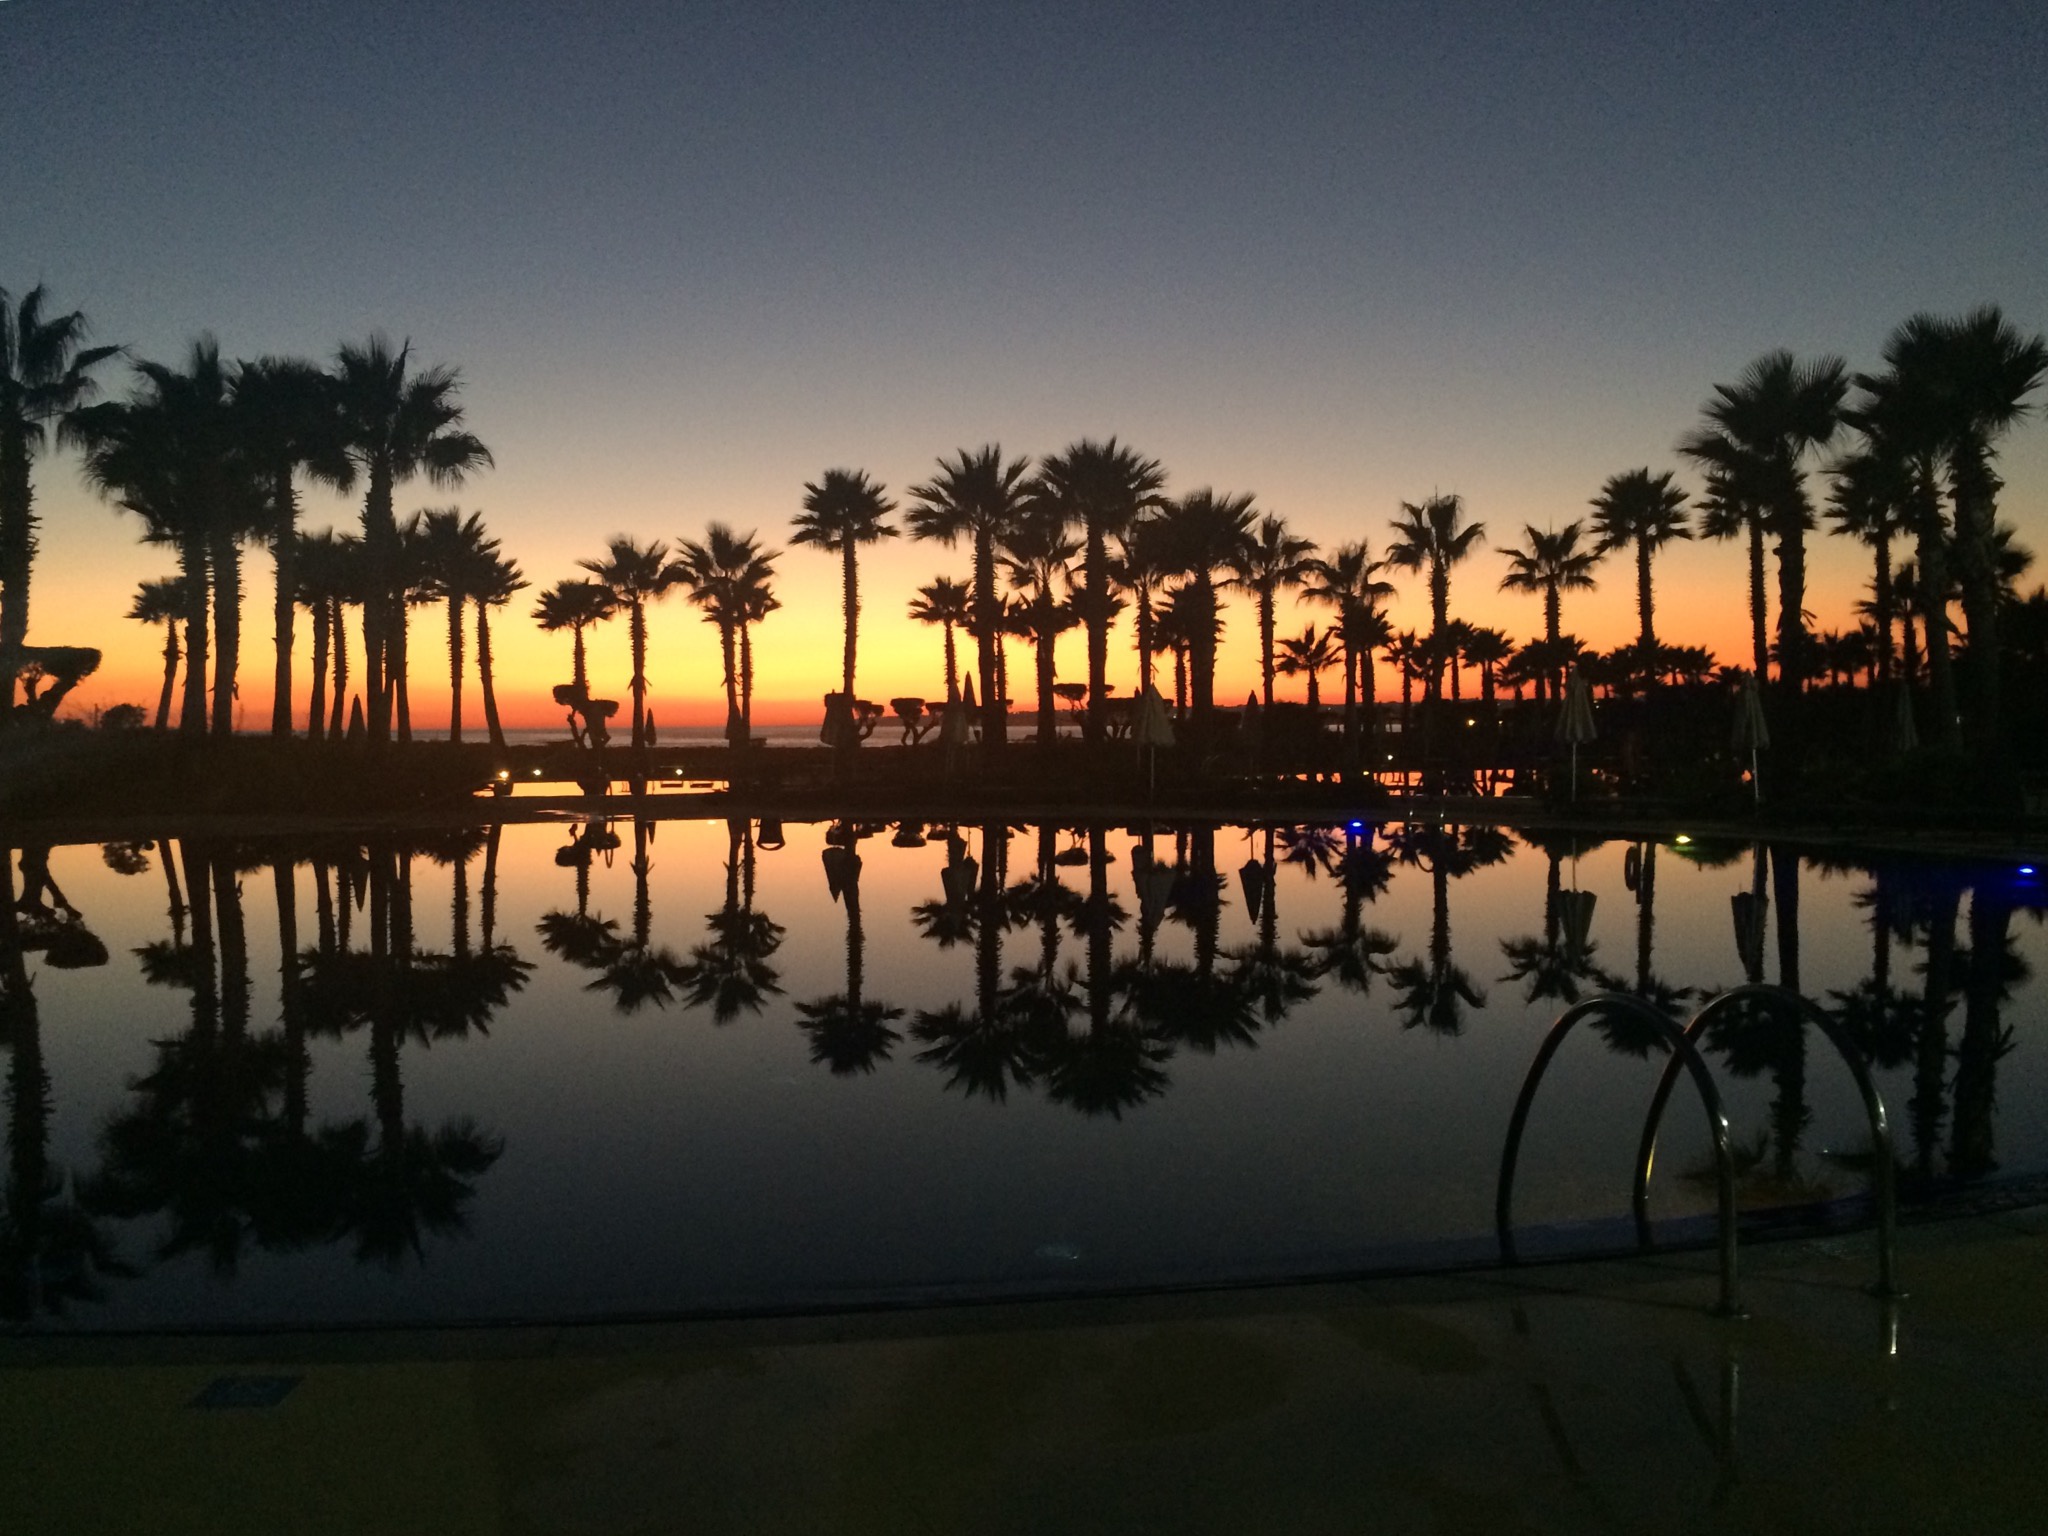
(1101, 488)
(285, 413)
(45, 374)
(727, 576)
(635, 575)
(396, 423)
(842, 511)
(945, 602)
(982, 497)
(1488, 650)
(1871, 501)
(492, 585)
(1348, 582)
(1144, 563)
(1309, 654)
(1552, 563)
(330, 578)
(1964, 383)
(1204, 532)
(1635, 507)
(1272, 559)
(1037, 560)
(455, 552)
(1757, 432)
(1435, 536)
(575, 606)
(162, 602)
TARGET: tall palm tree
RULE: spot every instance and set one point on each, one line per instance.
(727, 575)
(1434, 536)
(1309, 654)
(635, 575)
(1144, 563)
(947, 603)
(1964, 383)
(1757, 433)
(842, 511)
(979, 496)
(1270, 561)
(1648, 511)
(45, 373)
(1348, 581)
(575, 606)
(1205, 532)
(1872, 502)
(494, 583)
(1101, 488)
(1551, 562)
(1037, 562)
(455, 551)
(396, 423)
(162, 602)
(285, 414)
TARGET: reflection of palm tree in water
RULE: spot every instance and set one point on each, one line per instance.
(1627, 1033)
(1273, 979)
(986, 1052)
(1432, 992)
(1201, 1006)
(731, 974)
(582, 938)
(1555, 962)
(1994, 969)
(1352, 952)
(52, 1253)
(849, 1032)
(636, 971)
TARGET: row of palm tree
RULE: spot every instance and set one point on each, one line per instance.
(210, 455)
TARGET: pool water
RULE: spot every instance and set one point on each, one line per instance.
(601, 1070)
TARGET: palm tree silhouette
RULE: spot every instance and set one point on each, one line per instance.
(1757, 432)
(287, 423)
(728, 576)
(1035, 562)
(162, 602)
(1433, 991)
(1100, 488)
(1348, 581)
(330, 578)
(1269, 561)
(1434, 537)
(575, 606)
(494, 583)
(396, 423)
(1309, 654)
(455, 551)
(635, 575)
(843, 510)
(731, 974)
(947, 603)
(979, 496)
(1872, 501)
(1551, 563)
(1204, 533)
(45, 374)
(1648, 511)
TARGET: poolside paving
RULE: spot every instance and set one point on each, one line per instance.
(1587, 1397)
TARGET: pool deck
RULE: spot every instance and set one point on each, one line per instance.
(1580, 1397)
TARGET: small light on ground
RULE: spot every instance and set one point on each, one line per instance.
(1682, 840)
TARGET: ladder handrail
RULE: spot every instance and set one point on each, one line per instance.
(1882, 1171)
(1682, 1051)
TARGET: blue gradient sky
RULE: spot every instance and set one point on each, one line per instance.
(690, 256)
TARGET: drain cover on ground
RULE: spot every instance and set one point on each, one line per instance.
(245, 1392)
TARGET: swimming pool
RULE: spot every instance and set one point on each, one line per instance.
(604, 1070)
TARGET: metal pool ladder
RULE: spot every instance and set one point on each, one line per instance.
(1685, 1056)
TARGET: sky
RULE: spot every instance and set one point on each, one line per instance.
(688, 257)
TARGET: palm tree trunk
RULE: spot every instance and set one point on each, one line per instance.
(1048, 719)
(1142, 597)
(988, 640)
(747, 680)
(1098, 629)
(851, 600)
(636, 629)
(1350, 707)
(192, 571)
(488, 683)
(284, 551)
(337, 723)
(728, 645)
(316, 703)
(380, 557)
(1266, 648)
(455, 666)
(398, 664)
(1759, 619)
(227, 628)
(1202, 656)
(1792, 657)
(580, 669)
(1646, 611)
(163, 702)
(1932, 557)
(17, 548)
(1972, 491)
(1881, 595)
(952, 666)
